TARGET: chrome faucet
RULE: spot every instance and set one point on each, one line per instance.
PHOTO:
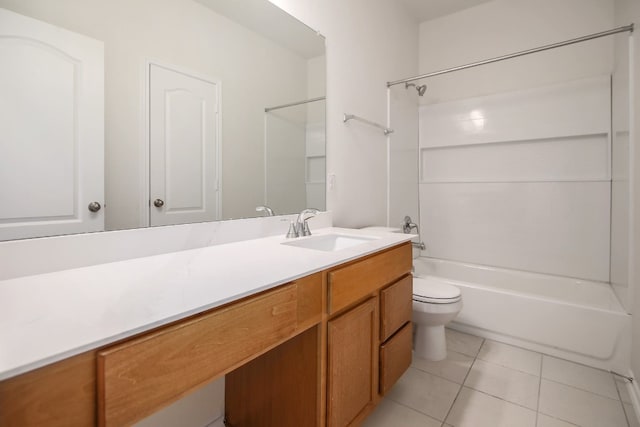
(407, 225)
(300, 227)
(266, 209)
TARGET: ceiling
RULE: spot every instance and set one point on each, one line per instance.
(272, 22)
(425, 10)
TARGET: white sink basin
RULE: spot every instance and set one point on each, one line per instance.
(330, 242)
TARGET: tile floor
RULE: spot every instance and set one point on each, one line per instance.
(484, 383)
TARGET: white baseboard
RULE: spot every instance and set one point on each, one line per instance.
(634, 393)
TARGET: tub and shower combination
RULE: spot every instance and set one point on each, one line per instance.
(534, 179)
(569, 318)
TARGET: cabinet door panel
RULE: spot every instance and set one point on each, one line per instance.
(352, 367)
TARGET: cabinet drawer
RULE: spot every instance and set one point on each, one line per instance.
(355, 281)
(140, 376)
(312, 294)
(395, 358)
(395, 306)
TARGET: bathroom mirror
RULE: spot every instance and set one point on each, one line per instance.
(181, 110)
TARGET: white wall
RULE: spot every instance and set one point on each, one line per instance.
(189, 35)
(500, 27)
(369, 42)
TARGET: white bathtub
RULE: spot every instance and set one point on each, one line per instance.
(573, 319)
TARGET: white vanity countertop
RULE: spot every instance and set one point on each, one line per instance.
(48, 317)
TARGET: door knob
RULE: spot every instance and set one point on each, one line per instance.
(94, 206)
(158, 203)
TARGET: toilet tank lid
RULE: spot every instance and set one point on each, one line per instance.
(432, 288)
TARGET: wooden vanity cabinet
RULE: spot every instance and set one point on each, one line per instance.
(367, 346)
(363, 343)
(319, 351)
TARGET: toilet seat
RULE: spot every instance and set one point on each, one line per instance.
(435, 292)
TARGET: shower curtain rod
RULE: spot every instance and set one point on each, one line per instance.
(516, 54)
(306, 101)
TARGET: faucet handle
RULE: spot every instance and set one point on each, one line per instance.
(293, 231)
(305, 229)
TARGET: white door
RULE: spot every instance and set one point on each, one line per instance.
(183, 158)
(51, 129)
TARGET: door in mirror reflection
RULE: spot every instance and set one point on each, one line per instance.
(184, 141)
(51, 130)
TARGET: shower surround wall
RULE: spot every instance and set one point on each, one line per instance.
(520, 180)
(534, 194)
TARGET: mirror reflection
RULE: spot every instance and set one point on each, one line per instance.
(119, 114)
(290, 183)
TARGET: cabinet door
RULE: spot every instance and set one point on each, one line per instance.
(352, 363)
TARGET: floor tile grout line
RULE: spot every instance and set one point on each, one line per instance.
(555, 417)
(515, 347)
(508, 367)
(413, 409)
(584, 390)
(624, 410)
(584, 366)
(623, 386)
(577, 363)
(442, 377)
(500, 398)
(539, 389)
(463, 381)
(417, 410)
(538, 412)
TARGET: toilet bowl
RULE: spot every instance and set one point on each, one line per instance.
(435, 304)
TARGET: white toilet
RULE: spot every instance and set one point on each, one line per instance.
(435, 304)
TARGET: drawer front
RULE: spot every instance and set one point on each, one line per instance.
(312, 296)
(395, 306)
(140, 376)
(355, 281)
(395, 358)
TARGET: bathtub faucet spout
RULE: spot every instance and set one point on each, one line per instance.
(407, 226)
